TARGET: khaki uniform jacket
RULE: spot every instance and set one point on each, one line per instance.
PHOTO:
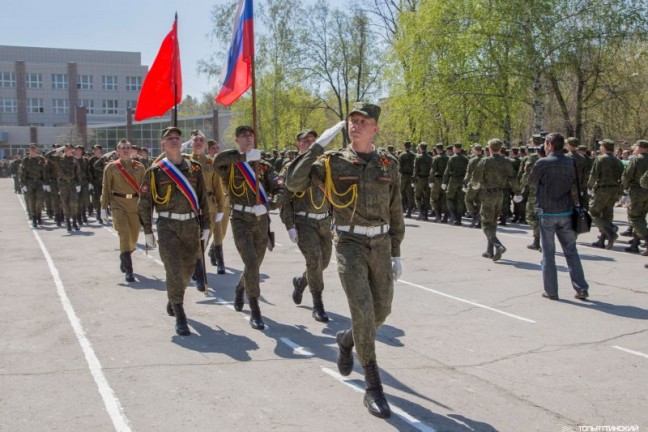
(213, 183)
(114, 181)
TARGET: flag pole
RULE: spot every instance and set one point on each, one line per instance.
(254, 119)
(174, 119)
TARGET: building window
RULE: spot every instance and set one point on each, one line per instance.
(131, 104)
(133, 83)
(59, 81)
(7, 79)
(109, 82)
(8, 105)
(35, 105)
(110, 106)
(34, 80)
(61, 106)
(84, 82)
(88, 104)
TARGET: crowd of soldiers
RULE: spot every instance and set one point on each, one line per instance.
(442, 184)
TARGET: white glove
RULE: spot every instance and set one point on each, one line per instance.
(330, 133)
(78, 189)
(397, 267)
(464, 189)
(24, 189)
(476, 186)
(46, 188)
(260, 210)
(414, 185)
(150, 240)
(90, 187)
(218, 217)
(205, 234)
(590, 192)
(292, 233)
(253, 155)
(431, 185)
(444, 186)
(104, 215)
(517, 198)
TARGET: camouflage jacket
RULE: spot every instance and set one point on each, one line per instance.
(495, 172)
(65, 168)
(33, 168)
(406, 163)
(455, 169)
(631, 178)
(422, 165)
(606, 172)
(439, 164)
(311, 200)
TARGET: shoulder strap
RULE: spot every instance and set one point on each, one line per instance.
(129, 178)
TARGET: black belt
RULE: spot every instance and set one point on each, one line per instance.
(493, 189)
(607, 186)
(127, 196)
(408, 174)
(65, 180)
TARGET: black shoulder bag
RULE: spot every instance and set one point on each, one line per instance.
(581, 219)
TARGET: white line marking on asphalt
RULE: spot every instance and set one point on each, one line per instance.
(467, 301)
(296, 348)
(413, 421)
(637, 353)
(111, 402)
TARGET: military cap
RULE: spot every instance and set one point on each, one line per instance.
(477, 147)
(572, 141)
(537, 138)
(422, 144)
(582, 147)
(495, 143)
(439, 146)
(642, 143)
(135, 147)
(390, 147)
(457, 145)
(166, 131)
(515, 150)
(242, 129)
(67, 145)
(97, 146)
(80, 147)
(303, 134)
(143, 149)
(407, 143)
(366, 109)
(32, 145)
(56, 145)
(607, 143)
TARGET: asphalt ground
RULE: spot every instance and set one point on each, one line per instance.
(470, 344)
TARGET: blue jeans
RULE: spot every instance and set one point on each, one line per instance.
(561, 226)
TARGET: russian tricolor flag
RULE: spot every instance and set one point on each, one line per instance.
(237, 76)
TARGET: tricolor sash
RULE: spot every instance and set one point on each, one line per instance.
(250, 179)
(129, 178)
(181, 182)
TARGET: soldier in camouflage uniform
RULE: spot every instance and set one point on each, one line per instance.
(67, 170)
(422, 165)
(472, 200)
(491, 176)
(406, 169)
(34, 179)
(638, 207)
(362, 184)
(516, 161)
(96, 177)
(530, 194)
(181, 223)
(307, 217)
(605, 181)
(84, 180)
(250, 221)
(435, 178)
(453, 184)
(218, 231)
(120, 192)
(15, 173)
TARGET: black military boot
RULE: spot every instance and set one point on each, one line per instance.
(74, 224)
(182, 328)
(39, 219)
(69, 226)
(438, 217)
(600, 242)
(425, 215)
(628, 233)
(445, 218)
(634, 245)
(220, 267)
(489, 250)
(344, 340)
(409, 213)
(200, 276)
(238, 297)
(611, 235)
(374, 398)
(99, 218)
(59, 220)
(256, 322)
(475, 219)
(536, 243)
(499, 250)
(169, 309)
(479, 224)
(318, 308)
(34, 222)
(502, 220)
(420, 215)
(212, 254)
(128, 263)
(84, 218)
(457, 219)
(122, 262)
(299, 285)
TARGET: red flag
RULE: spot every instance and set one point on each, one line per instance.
(162, 87)
(236, 76)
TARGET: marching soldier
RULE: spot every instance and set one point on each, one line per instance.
(406, 169)
(121, 182)
(472, 201)
(250, 221)
(15, 173)
(67, 170)
(638, 207)
(219, 229)
(96, 177)
(34, 181)
(307, 217)
(362, 184)
(530, 193)
(422, 165)
(175, 188)
(492, 174)
(83, 197)
(437, 194)
(453, 183)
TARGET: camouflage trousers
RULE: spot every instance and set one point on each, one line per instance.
(34, 197)
(422, 197)
(96, 196)
(364, 267)
(438, 198)
(17, 185)
(637, 211)
(55, 199)
(531, 217)
(491, 205)
(179, 250)
(127, 225)
(455, 198)
(472, 200)
(602, 208)
(251, 240)
(315, 241)
(407, 192)
(83, 200)
(69, 195)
